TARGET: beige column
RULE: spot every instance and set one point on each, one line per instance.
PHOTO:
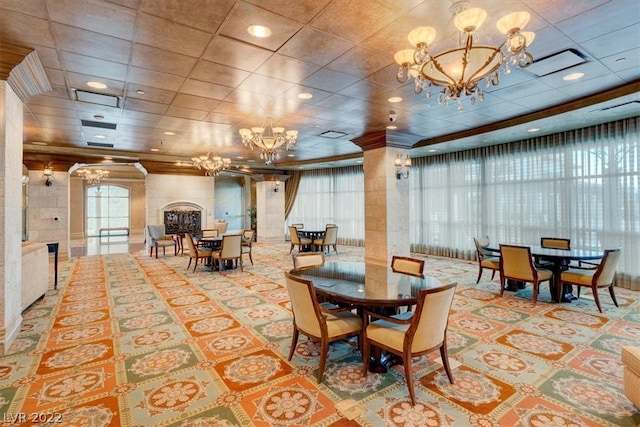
(270, 207)
(386, 197)
(10, 215)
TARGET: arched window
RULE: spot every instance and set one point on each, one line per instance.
(108, 206)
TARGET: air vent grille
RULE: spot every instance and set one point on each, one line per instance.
(99, 144)
(95, 98)
(102, 125)
(556, 62)
(332, 134)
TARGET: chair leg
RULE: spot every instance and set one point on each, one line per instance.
(502, 280)
(613, 295)
(291, 250)
(594, 290)
(294, 341)
(445, 360)
(493, 274)
(406, 361)
(250, 258)
(365, 356)
(189, 265)
(479, 276)
(324, 349)
(195, 265)
(535, 292)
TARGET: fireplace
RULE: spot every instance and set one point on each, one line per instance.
(182, 222)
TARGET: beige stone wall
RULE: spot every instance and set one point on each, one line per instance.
(270, 206)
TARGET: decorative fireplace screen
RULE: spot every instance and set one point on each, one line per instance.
(182, 222)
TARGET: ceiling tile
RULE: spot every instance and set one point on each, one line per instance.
(170, 36)
(100, 17)
(162, 60)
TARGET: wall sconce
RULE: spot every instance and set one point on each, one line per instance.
(402, 167)
(276, 187)
(47, 175)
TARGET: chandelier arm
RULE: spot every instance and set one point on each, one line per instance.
(435, 81)
(487, 62)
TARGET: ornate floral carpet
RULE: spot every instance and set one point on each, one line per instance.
(129, 340)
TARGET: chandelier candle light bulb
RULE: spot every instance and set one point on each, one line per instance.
(458, 71)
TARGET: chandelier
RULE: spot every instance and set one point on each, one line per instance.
(269, 140)
(460, 71)
(93, 176)
(211, 163)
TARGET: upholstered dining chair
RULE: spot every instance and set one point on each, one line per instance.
(308, 259)
(196, 253)
(296, 240)
(516, 264)
(317, 323)
(421, 333)
(157, 239)
(247, 243)
(208, 232)
(230, 249)
(600, 276)
(407, 265)
(299, 226)
(486, 259)
(555, 243)
(330, 238)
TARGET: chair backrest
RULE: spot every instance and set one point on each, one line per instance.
(231, 246)
(555, 243)
(606, 271)
(193, 251)
(210, 232)
(407, 265)
(301, 226)
(293, 231)
(430, 318)
(516, 262)
(248, 237)
(156, 232)
(331, 225)
(481, 242)
(330, 235)
(304, 304)
(308, 259)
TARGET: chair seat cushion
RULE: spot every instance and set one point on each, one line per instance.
(544, 274)
(305, 241)
(577, 276)
(318, 241)
(342, 323)
(162, 243)
(493, 262)
(391, 334)
(631, 358)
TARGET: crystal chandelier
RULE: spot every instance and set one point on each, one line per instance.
(459, 71)
(93, 176)
(211, 163)
(269, 140)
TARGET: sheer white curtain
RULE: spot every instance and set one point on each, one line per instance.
(332, 196)
(583, 184)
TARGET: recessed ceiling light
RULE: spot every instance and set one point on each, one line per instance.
(98, 117)
(392, 127)
(251, 161)
(154, 149)
(358, 161)
(432, 150)
(291, 155)
(99, 136)
(305, 95)
(533, 130)
(259, 31)
(621, 59)
(109, 158)
(169, 133)
(573, 76)
(97, 85)
(394, 99)
(140, 92)
(240, 157)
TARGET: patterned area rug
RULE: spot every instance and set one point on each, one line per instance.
(129, 340)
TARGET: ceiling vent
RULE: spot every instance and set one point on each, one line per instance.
(332, 134)
(556, 62)
(626, 106)
(95, 98)
(102, 125)
(99, 144)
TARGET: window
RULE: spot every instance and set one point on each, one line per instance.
(107, 207)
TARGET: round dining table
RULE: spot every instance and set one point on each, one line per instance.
(367, 286)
